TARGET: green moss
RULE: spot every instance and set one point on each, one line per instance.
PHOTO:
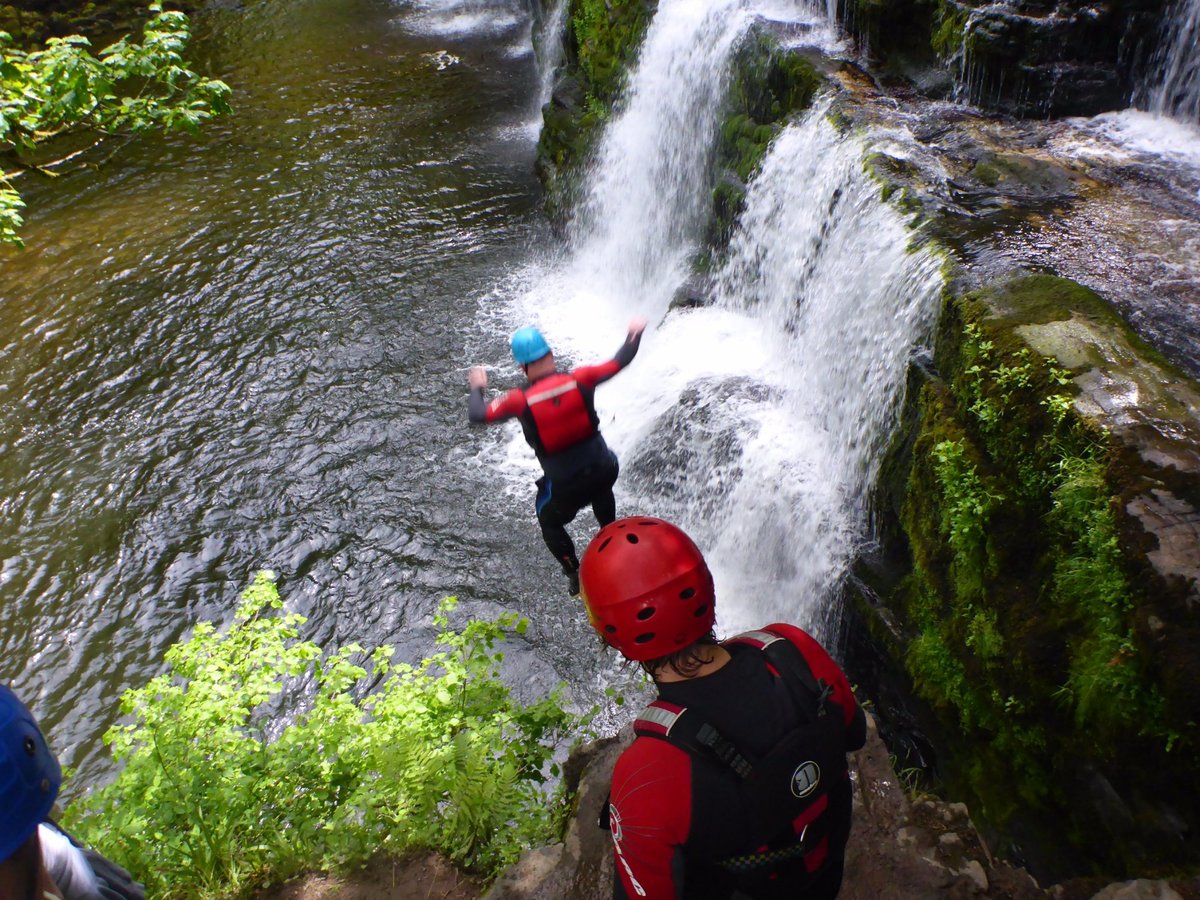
(602, 41)
(1021, 598)
(607, 34)
(949, 23)
(769, 85)
(986, 173)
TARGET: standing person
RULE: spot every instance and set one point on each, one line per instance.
(558, 415)
(736, 785)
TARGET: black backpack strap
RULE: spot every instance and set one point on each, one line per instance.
(811, 695)
(689, 731)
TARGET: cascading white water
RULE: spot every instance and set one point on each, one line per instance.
(1175, 88)
(755, 422)
(645, 197)
(547, 39)
(826, 268)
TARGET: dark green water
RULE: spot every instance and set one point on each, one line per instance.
(249, 350)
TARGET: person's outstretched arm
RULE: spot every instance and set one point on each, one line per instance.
(479, 411)
(590, 376)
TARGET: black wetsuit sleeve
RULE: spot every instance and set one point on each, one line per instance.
(856, 733)
(624, 356)
(476, 407)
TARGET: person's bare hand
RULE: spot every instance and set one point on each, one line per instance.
(477, 377)
(636, 326)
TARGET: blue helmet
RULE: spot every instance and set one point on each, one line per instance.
(29, 774)
(528, 345)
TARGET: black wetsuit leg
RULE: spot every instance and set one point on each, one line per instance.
(604, 505)
(554, 511)
(560, 500)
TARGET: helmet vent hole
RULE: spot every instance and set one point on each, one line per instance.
(607, 541)
(687, 593)
(611, 629)
(30, 746)
(644, 614)
(632, 538)
(647, 523)
(644, 638)
(700, 610)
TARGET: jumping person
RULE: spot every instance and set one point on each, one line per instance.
(558, 416)
(736, 784)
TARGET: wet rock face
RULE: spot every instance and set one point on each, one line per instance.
(1028, 58)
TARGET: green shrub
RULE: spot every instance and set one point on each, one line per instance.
(966, 503)
(216, 794)
(126, 89)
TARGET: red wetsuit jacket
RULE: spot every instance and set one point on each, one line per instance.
(672, 814)
(558, 414)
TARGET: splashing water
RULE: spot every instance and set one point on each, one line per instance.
(756, 422)
(826, 270)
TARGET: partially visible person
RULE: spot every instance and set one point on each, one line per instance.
(38, 860)
(29, 780)
(737, 784)
(558, 416)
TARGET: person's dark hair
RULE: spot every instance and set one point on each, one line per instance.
(686, 662)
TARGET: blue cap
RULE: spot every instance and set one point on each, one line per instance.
(528, 345)
(29, 774)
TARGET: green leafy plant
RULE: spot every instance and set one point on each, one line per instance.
(217, 793)
(966, 504)
(1105, 685)
(65, 89)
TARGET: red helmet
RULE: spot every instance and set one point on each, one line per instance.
(646, 588)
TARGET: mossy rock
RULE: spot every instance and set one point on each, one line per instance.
(769, 85)
(1049, 517)
(601, 42)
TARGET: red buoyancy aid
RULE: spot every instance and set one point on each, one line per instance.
(789, 787)
(560, 412)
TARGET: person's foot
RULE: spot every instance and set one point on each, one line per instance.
(573, 583)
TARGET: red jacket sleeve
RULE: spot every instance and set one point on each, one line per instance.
(825, 669)
(649, 816)
(506, 406)
(590, 376)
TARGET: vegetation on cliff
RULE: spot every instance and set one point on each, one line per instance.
(601, 42)
(217, 794)
(769, 85)
(60, 101)
(1025, 603)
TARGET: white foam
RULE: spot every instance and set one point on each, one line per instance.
(1132, 133)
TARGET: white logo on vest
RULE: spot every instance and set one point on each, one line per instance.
(806, 778)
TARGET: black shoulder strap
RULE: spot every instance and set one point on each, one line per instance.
(688, 731)
(810, 695)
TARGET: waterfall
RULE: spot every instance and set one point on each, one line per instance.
(646, 194)
(547, 39)
(755, 422)
(827, 270)
(1175, 88)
